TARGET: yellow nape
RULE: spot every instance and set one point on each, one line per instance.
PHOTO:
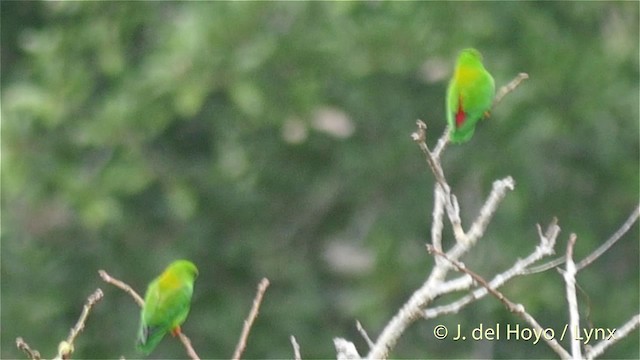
(168, 280)
(466, 75)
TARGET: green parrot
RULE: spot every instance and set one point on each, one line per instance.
(469, 95)
(166, 304)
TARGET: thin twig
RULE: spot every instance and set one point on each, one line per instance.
(438, 214)
(438, 223)
(296, 348)
(498, 192)
(477, 278)
(512, 85)
(420, 137)
(345, 350)
(461, 283)
(364, 334)
(66, 348)
(186, 342)
(620, 333)
(406, 315)
(612, 240)
(546, 248)
(574, 316)
(546, 266)
(242, 343)
(441, 144)
(453, 212)
(128, 289)
(517, 309)
(91, 300)
(31, 353)
(596, 253)
(451, 203)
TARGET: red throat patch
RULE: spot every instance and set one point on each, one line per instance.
(460, 115)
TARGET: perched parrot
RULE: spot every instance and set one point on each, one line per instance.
(469, 95)
(166, 304)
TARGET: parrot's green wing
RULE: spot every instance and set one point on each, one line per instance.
(469, 95)
(167, 303)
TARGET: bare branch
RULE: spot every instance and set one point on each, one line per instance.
(509, 88)
(546, 247)
(296, 348)
(422, 297)
(572, 300)
(461, 283)
(450, 201)
(420, 138)
(596, 253)
(31, 353)
(364, 334)
(242, 343)
(517, 309)
(407, 314)
(345, 349)
(620, 333)
(65, 348)
(441, 144)
(451, 204)
(186, 342)
(128, 289)
(546, 266)
(412, 309)
(438, 214)
(478, 227)
(453, 212)
(612, 240)
(477, 278)
(490, 206)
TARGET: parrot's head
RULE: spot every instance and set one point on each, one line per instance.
(469, 56)
(184, 268)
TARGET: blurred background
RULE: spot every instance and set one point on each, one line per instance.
(268, 139)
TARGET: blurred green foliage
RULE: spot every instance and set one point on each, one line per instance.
(272, 139)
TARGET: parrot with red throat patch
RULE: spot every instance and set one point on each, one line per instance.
(469, 95)
(166, 304)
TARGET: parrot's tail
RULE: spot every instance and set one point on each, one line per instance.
(148, 339)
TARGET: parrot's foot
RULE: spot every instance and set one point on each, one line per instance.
(487, 114)
(176, 331)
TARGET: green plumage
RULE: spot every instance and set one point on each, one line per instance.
(166, 304)
(469, 95)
